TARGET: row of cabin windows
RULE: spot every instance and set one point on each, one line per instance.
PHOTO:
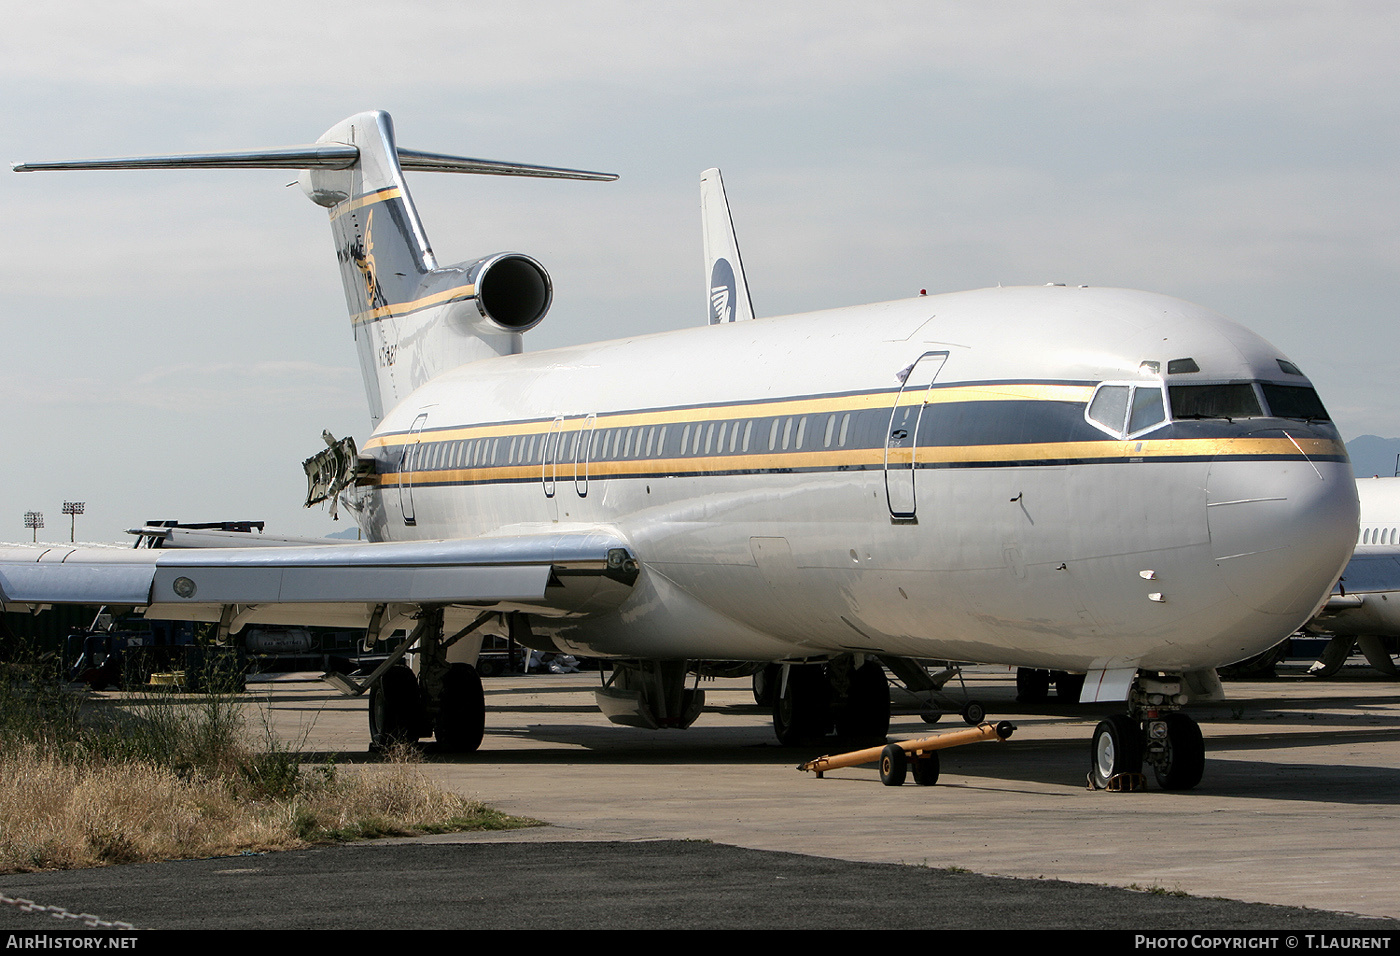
(743, 436)
(1379, 536)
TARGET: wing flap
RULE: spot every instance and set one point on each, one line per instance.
(331, 584)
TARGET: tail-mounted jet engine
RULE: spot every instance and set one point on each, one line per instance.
(513, 293)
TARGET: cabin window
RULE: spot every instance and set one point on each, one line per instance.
(748, 430)
(801, 430)
(773, 435)
(845, 427)
(709, 437)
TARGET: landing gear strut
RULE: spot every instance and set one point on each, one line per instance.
(1155, 733)
(444, 700)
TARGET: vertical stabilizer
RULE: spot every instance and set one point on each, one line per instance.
(384, 260)
(724, 270)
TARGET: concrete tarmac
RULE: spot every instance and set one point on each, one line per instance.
(1298, 808)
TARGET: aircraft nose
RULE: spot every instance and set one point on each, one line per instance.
(1281, 531)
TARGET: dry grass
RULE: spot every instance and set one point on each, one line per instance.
(169, 781)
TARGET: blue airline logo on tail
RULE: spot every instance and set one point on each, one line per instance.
(722, 292)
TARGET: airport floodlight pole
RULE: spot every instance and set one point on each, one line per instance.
(73, 509)
(34, 520)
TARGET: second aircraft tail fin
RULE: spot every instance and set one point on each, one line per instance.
(724, 270)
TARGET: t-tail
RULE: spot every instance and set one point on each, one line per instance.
(412, 319)
(724, 270)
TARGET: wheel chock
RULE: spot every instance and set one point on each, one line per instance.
(920, 753)
(1121, 783)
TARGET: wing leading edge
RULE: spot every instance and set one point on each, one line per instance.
(555, 575)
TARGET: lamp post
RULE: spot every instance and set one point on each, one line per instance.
(73, 509)
(34, 520)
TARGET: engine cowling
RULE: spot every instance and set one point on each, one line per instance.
(513, 291)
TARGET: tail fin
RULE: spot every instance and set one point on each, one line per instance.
(724, 270)
(412, 320)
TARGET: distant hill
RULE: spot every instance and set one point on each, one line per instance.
(1371, 455)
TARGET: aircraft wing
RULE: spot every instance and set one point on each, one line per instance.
(563, 574)
(1370, 571)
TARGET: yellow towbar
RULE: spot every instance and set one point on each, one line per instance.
(921, 755)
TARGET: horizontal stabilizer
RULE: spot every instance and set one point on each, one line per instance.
(441, 163)
(317, 156)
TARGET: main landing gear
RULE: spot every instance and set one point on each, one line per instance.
(445, 700)
(1154, 733)
(849, 695)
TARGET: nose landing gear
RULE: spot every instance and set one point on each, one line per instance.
(1154, 733)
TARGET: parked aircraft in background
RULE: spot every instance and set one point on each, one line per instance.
(1096, 481)
(1364, 609)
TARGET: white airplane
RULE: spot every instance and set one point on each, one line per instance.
(1096, 481)
(1364, 608)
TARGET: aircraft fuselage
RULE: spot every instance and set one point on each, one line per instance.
(921, 478)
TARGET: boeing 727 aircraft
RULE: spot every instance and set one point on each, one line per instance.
(1099, 481)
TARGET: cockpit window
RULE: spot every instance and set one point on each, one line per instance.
(1125, 409)
(1215, 401)
(1294, 401)
(1147, 409)
(1110, 407)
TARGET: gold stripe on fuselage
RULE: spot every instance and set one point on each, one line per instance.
(724, 413)
(835, 459)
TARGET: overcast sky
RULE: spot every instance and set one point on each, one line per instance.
(176, 341)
